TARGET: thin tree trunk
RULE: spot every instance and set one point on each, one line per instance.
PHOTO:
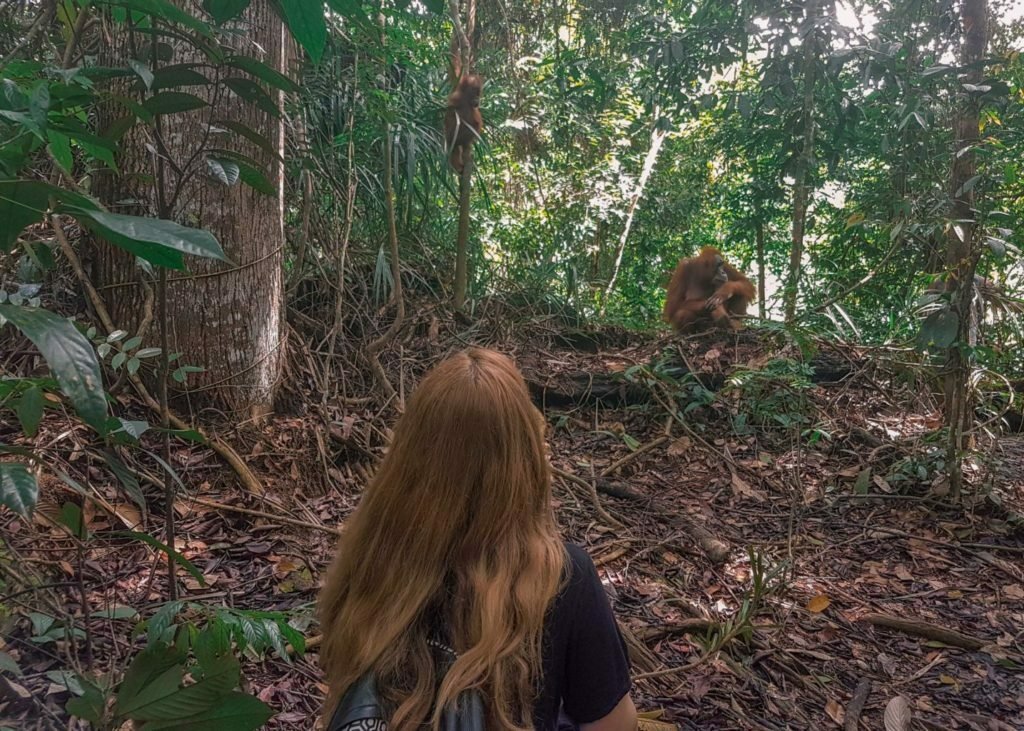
(374, 348)
(657, 140)
(226, 318)
(759, 238)
(350, 202)
(462, 244)
(961, 253)
(801, 191)
(461, 63)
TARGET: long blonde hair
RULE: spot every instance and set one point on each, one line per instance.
(455, 527)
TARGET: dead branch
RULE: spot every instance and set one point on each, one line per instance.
(926, 630)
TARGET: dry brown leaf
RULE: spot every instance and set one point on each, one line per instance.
(679, 447)
(742, 487)
(898, 714)
(835, 711)
(818, 604)
(1014, 591)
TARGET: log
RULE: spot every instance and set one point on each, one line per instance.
(927, 630)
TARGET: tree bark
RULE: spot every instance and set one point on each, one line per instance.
(226, 318)
(961, 249)
(801, 191)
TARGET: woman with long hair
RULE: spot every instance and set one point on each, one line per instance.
(455, 541)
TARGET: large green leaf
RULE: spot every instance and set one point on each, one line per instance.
(18, 488)
(173, 102)
(165, 10)
(224, 10)
(182, 74)
(219, 680)
(148, 666)
(252, 92)
(30, 410)
(70, 356)
(250, 134)
(22, 203)
(939, 329)
(305, 19)
(263, 72)
(236, 711)
(151, 237)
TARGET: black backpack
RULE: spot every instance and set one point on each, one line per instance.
(360, 709)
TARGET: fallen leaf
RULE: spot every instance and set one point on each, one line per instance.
(679, 447)
(835, 712)
(898, 714)
(818, 604)
(1014, 591)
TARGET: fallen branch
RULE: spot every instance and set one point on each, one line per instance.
(592, 492)
(927, 630)
(717, 550)
(619, 464)
(856, 707)
(261, 514)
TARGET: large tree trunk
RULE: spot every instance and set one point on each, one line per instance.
(961, 248)
(226, 318)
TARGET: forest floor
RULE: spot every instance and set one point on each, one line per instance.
(780, 557)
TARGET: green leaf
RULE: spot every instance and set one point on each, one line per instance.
(71, 518)
(218, 681)
(70, 356)
(155, 240)
(126, 477)
(148, 666)
(30, 411)
(160, 686)
(18, 488)
(60, 148)
(143, 71)
(162, 620)
(224, 10)
(9, 665)
(223, 171)
(22, 203)
(253, 136)
(212, 643)
(39, 104)
(183, 74)
(175, 556)
(939, 329)
(305, 19)
(90, 706)
(172, 102)
(255, 179)
(236, 711)
(166, 11)
(263, 72)
(250, 91)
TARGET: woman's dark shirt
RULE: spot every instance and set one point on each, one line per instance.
(585, 663)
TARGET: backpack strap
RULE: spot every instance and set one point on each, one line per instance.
(359, 708)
